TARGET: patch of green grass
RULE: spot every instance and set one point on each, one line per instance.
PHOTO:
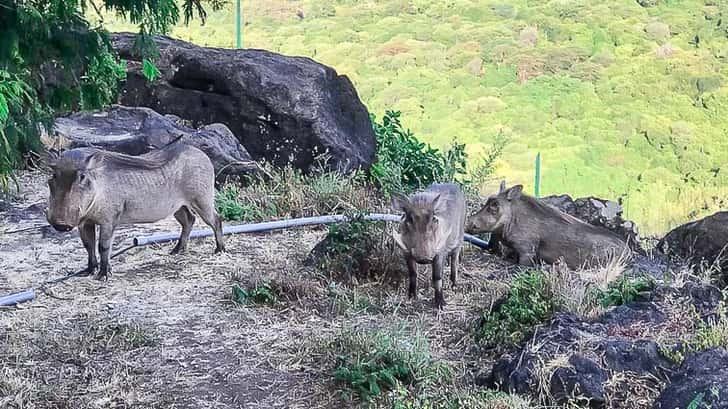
(712, 334)
(623, 290)
(483, 399)
(530, 301)
(372, 362)
(230, 206)
(261, 294)
(351, 300)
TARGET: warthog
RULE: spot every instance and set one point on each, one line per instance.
(91, 187)
(538, 232)
(432, 229)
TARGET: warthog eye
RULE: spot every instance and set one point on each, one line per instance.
(435, 220)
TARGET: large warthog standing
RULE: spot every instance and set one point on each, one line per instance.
(91, 187)
(432, 229)
(538, 232)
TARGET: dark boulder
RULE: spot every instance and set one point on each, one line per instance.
(282, 109)
(599, 212)
(582, 357)
(135, 131)
(702, 243)
(582, 378)
(701, 382)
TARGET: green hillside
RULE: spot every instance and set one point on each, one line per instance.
(624, 99)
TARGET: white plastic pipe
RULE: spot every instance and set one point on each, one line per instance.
(281, 224)
(17, 298)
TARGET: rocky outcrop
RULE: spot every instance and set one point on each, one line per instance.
(597, 363)
(599, 212)
(135, 131)
(701, 382)
(282, 109)
(702, 243)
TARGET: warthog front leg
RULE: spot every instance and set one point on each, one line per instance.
(438, 265)
(526, 256)
(186, 219)
(454, 265)
(88, 237)
(412, 269)
(106, 237)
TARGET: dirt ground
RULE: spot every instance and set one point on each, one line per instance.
(164, 333)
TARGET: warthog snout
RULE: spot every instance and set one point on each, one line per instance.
(62, 227)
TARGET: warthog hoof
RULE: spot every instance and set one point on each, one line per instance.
(412, 294)
(177, 250)
(103, 275)
(86, 271)
(219, 249)
(439, 302)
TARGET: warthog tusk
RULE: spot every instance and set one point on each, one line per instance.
(398, 239)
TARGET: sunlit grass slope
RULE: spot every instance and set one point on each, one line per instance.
(624, 99)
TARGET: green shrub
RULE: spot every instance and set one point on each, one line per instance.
(403, 163)
(263, 293)
(622, 291)
(529, 302)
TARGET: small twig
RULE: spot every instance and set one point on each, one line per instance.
(23, 229)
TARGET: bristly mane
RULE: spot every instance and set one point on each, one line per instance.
(148, 161)
(546, 209)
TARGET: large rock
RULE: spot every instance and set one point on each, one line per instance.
(282, 109)
(599, 212)
(702, 243)
(135, 131)
(701, 382)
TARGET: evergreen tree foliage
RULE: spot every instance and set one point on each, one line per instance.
(53, 61)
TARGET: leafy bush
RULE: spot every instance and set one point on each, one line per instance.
(370, 363)
(403, 163)
(348, 246)
(529, 302)
(263, 293)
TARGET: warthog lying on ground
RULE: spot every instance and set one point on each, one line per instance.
(538, 232)
(91, 187)
(432, 229)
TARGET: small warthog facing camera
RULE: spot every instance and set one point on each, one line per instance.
(432, 229)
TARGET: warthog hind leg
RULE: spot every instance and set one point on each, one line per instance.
(186, 219)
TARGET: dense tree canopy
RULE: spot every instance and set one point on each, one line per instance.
(53, 61)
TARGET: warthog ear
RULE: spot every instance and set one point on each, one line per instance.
(400, 202)
(502, 187)
(514, 192)
(94, 160)
(52, 157)
(439, 205)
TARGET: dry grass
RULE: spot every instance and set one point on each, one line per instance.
(163, 331)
